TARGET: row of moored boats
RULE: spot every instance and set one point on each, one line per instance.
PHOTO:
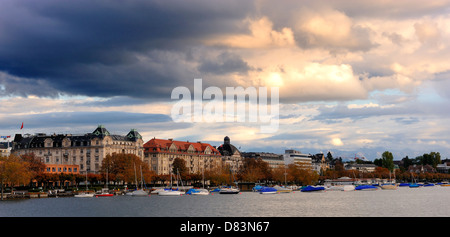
(265, 189)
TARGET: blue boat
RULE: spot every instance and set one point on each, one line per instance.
(366, 187)
(268, 190)
(312, 189)
(428, 185)
(257, 188)
(414, 185)
(404, 185)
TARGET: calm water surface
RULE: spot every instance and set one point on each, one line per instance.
(403, 202)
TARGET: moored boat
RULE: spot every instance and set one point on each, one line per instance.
(169, 192)
(366, 188)
(346, 187)
(197, 191)
(282, 189)
(312, 189)
(389, 186)
(104, 193)
(349, 187)
(138, 192)
(268, 190)
(414, 185)
(229, 190)
(257, 188)
(84, 195)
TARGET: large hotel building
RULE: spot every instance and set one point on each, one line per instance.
(69, 153)
(78, 153)
(160, 154)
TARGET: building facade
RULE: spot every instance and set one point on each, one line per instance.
(296, 157)
(5, 148)
(78, 153)
(161, 153)
(231, 156)
(274, 160)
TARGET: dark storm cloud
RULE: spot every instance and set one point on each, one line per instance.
(225, 63)
(68, 119)
(109, 48)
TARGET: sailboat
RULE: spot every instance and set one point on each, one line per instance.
(230, 189)
(105, 191)
(390, 186)
(414, 184)
(170, 191)
(85, 194)
(199, 191)
(141, 191)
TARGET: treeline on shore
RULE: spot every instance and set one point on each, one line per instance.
(27, 171)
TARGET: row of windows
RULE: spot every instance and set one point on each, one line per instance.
(64, 169)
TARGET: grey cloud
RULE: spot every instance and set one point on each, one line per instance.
(225, 63)
(99, 48)
(67, 119)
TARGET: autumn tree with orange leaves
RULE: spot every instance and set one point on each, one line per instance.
(125, 168)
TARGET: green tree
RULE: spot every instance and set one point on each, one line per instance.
(387, 161)
(329, 156)
(179, 165)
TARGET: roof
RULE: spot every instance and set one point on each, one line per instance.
(162, 145)
(100, 132)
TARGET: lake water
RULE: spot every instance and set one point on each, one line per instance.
(403, 202)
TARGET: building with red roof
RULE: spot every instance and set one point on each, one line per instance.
(160, 154)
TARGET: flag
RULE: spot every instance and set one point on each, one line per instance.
(21, 126)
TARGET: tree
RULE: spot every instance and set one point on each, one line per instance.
(387, 160)
(329, 156)
(254, 170)
(179, 165)
(125, 168)
(13, 171)
(34, 165)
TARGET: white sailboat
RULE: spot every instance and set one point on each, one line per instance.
(201, 191)
(230, 189)
(141, 191)
(85, 194)
(170, 191)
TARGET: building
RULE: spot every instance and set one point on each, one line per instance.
(319, 163)
(296, 157)
(274, 160)
(5, 148)
(82, 153)
(367, 168)
(421, 169)
(231, 156)
(443, 168)
(160, 154)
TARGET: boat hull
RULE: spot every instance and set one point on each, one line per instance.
(84, 195)
(366, 188)
(104, 195)
(169, 193)
(197, 192)
(268, 190)
(229, 191)
(139, 193)
(389, 187)
(313, 189)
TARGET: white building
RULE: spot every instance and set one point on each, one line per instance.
(296, 157)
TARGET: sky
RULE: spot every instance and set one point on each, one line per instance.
(355, 78)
